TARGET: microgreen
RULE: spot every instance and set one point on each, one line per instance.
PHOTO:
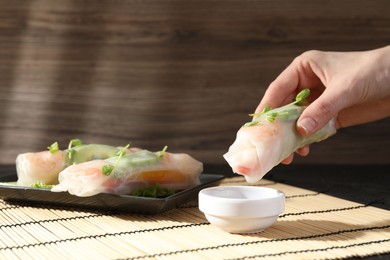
(266, 109)
(271, 115)
(153, 191)
(41, 185)
(252, 123)
(160, 154)
(301, 98)
(109, 168)
(73, 143)
(53, 148)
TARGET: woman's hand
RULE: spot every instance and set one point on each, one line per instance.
(353, 87)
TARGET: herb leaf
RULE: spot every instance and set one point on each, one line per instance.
(53, 148)
(153, 191)
(41, 185)
(266, 109)
(253, 123)
(73, 143)
(301, 98)
(109, 168)
(271, 115)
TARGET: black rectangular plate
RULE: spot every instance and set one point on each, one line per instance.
(102, 201)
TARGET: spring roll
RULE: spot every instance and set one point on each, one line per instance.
(43, 167)
(271, 137)
(127, 173)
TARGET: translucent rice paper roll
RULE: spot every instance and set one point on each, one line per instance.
(272, 137)
(40, 167)
(134, 171)
(44, 167)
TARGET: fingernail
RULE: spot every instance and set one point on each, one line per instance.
(307, 125)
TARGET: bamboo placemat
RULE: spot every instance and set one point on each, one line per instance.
(313, 226)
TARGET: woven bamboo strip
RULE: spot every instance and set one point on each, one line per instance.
(7, 254)
(313, 226)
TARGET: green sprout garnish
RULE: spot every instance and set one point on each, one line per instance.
(41, 185)
(154, 191)
(160, 154)
(109, 168)
(271, 117)
(300, 100)
(266, 109)
(122, 151)
(73, 143)
(53, 148)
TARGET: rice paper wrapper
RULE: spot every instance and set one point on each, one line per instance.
(259, 148)
(134, 171)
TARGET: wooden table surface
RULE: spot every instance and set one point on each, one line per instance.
(169, 72)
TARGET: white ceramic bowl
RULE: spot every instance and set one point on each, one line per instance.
(241, 209)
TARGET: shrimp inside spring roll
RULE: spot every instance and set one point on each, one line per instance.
(40, 167)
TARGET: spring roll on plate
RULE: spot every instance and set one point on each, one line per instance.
(271, 137)
(43, 167)
(127, 173)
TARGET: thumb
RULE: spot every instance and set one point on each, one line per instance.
(319, 113)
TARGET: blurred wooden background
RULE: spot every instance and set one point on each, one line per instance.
(169, 72)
